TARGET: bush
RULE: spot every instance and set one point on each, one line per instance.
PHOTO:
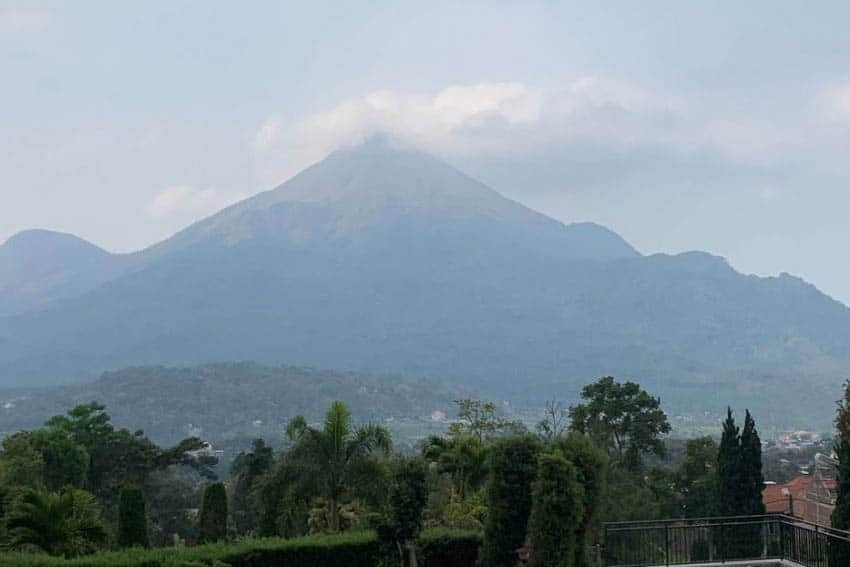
(591, 464)
(408, 494)
(440, 548)
(513, 464)
(558, 507)
(213, 522)
(132, 525)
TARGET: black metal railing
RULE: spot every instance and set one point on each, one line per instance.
(719, 540)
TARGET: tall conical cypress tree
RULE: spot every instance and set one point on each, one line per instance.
(132, 525)
(750, 536)
(728, 468)
(213, 523)
(513, 467)
(841, 514)
(840, 550)
(751, 468)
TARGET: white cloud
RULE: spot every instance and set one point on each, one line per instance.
(21, 20)
(186, 202)
(514, 119)
(473, 120)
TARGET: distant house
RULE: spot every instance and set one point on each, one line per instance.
(810, 497)
(206, 450)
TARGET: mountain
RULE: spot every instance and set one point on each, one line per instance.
(39, 266)
(385, 259)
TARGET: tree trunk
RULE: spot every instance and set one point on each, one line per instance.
(400, 552)
(411, 547)
(334, 517)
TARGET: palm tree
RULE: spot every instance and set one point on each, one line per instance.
(463, 457)
(334, 454)
(66, 523)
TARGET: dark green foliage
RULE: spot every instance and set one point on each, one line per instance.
(66, 462)
(463, 457)
(841, 514)
(591, 466)
(23, 464)
(247, 470)
(249, 397)
(213, 521)
(740, 485)
(67, 524)
(170, 496)
(83, 449)
(132, 519)
(513, 466)
(751, 468)
(402, 519)
(337, 459)
(285, 496)
(440, 548)
(46, 457)
(623, 418)
(629, 497)
(739, 466)
(558, 507)
(729, 468)
(116, 456)
(696, 479)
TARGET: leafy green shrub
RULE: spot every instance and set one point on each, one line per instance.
(67, 523)
(440, 548)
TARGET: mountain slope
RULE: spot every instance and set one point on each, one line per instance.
(40, 266)
(355, 194)
(388, 260)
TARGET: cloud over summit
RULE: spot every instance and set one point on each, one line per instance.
(492, 118)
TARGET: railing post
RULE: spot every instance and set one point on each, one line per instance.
(667, 544)
(604, 546)
(817, 544)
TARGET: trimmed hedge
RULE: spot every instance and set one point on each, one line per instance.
(440, 548)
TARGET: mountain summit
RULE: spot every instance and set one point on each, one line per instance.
(38, 266)
(382, 258)
(380, 186)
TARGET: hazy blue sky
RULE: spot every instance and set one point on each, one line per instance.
(721, 126)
